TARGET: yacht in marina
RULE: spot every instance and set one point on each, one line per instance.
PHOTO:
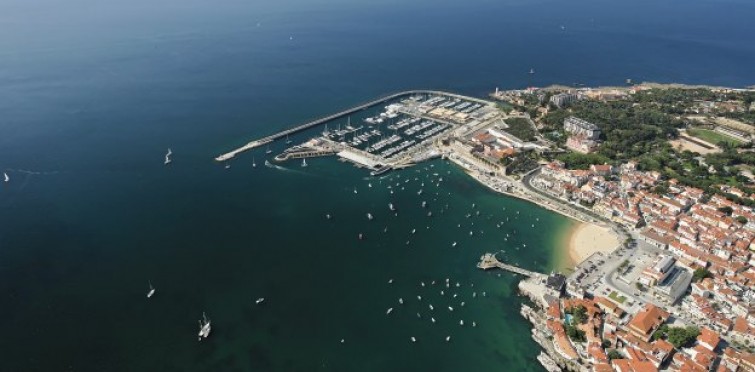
(303, 162)
(268, 151)
(204, 327)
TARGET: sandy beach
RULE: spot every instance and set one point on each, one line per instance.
(587, 238)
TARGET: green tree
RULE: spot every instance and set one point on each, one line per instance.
(661, 189)
(578, 313)
(682, 336)
(700, 274)
(614, 354)
(574, 333)
(727, 210)
(741, 219)
(660, 332)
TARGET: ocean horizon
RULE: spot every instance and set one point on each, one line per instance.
(92, 95)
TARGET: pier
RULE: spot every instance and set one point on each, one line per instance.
(303, 154)
(489, 261)
(265, 140)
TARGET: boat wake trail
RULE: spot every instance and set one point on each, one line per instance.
(273, 166)
(34, 173)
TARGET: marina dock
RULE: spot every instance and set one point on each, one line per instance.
(489, 261)
(282, 134)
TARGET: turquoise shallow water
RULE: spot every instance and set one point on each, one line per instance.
(92, 94)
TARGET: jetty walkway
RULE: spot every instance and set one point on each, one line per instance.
(265, 140)
(303, 154)
(489, 261)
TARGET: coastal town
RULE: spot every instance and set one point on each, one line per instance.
(662, 273)
(678, 293)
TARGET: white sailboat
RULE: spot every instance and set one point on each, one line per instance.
(259, 300)
(204, 327)
(254, 164)
(288, 141)
(167, 156)
(151, 290)
(6, 177)
(391, 207)
(303, 162)
(369, 216)
(268, 151)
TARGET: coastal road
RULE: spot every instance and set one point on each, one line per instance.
(527, 181)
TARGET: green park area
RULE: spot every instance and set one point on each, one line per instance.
(616, 297)
(713, 136)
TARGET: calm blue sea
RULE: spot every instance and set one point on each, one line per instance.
(92, 93)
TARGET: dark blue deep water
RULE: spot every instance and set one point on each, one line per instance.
(93, 92)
